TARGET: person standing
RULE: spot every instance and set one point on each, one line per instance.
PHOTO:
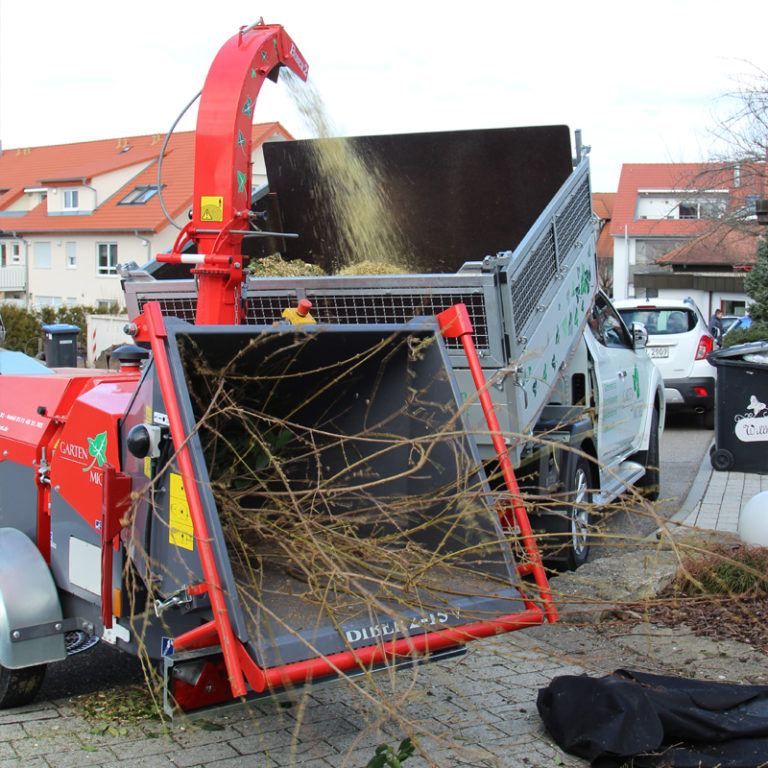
(716, 325)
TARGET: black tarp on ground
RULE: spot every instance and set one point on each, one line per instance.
(640, 720)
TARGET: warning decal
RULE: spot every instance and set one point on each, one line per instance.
(211, 208)
(181, 532)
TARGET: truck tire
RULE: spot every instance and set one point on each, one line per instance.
(569, 530)
(20, 686)
(650, 483)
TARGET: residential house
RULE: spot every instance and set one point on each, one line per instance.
(670, 230)
(710, 268)
(70, 213)
(602, 207)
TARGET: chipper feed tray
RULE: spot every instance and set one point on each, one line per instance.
(345, 505)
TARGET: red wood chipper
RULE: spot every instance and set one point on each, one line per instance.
(253, 506)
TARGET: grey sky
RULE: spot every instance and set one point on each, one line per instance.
(641, 81)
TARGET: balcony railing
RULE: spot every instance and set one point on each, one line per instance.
(12, 278)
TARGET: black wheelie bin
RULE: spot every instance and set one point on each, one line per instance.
(741, 408)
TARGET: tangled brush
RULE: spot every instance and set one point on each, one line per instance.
(345, 485)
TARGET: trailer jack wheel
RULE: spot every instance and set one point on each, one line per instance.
(20, 686)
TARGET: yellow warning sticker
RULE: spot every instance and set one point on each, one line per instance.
(211, 208)
(181, 532)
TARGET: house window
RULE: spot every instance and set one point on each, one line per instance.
(2, 254)
(107, 259)
(71, 253)
(42, 255)
(108, 304)
(15, 254)
(711, 207)
(688, 211)
(139, 195)
(48, 301)
(70, 199)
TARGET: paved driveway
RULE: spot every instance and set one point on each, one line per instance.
(480, 710)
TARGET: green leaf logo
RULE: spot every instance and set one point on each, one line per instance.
(97, 447)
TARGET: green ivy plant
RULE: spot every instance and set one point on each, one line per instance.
(386, 756)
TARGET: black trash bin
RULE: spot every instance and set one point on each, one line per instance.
(741, 408)
(60, 345)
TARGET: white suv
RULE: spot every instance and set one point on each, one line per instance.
(678, 342)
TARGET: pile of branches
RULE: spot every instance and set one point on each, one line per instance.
(719, 592)
(345, 478)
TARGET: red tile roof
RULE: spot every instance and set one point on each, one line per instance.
(678, 176)
(602, 204)
(124, 159)
(719, 247)
(64, 164)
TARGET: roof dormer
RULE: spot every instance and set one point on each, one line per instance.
(71, 200)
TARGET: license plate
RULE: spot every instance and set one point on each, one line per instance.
(658, 351)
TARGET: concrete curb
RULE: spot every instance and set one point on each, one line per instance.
(697, 491)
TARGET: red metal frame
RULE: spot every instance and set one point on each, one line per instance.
(405, 647)
(239, 665)
(115, 505)
(455, 323)
(152, 328)
(222, 186)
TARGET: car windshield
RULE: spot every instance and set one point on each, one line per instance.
(661, 321)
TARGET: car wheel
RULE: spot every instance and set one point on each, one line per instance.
(651, 482)
(20, 686)
(569, 528)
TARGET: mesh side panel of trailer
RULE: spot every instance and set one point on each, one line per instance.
(347, 309)
(353, 309)
(532, 280)
(570, 220)
(540, 267)
(265, 310)
(183, 307)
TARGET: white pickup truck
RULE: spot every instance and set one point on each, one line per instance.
(580, 403)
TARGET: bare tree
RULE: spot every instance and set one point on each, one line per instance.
(740, 131)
